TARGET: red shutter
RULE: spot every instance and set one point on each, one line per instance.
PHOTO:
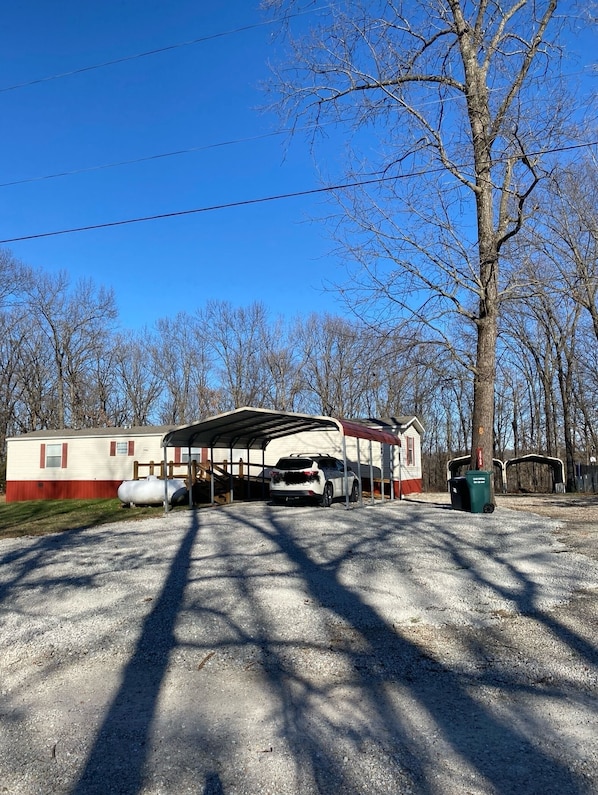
(42, 456)
(112, 448)
(65, 448)
(177, 455)
(131, 450)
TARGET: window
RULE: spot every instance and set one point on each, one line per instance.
(53, 455)
(195, 454)
(122, 448)
(410, 451)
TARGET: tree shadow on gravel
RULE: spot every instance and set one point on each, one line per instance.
(267, 598)
(503, 758)
(32, 557)
(117, 759)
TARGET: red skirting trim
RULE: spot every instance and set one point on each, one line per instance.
(406, 487)
(22, 490)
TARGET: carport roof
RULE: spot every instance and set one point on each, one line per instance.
(248, 428)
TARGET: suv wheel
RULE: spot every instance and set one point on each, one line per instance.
(354, 496)
(326, 499)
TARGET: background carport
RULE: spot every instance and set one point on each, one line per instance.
(250, 428)
(556, 464)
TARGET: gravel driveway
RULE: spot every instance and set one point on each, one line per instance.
(399, 648)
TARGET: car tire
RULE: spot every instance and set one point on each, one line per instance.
(354, 496)
(327, 495)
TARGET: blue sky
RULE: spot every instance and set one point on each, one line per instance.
(189, 97)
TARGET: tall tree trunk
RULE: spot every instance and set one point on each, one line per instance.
(482, 441)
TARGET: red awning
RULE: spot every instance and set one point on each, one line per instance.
(360, 431)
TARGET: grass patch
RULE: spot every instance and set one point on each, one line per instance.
(40, 517)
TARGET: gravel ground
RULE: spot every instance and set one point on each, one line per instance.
(400, 648)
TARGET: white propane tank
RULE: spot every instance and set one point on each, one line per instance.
(150, 491)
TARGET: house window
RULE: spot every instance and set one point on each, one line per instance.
(410, 451)
(53, 455)
(122, 448)
(195, 454)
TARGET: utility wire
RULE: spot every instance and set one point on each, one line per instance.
(161, 155)
(157, 51)
(148, 158)
(262, 199)
(175, 153)
(196, 210)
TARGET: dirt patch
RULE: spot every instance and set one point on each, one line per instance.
(577, 513)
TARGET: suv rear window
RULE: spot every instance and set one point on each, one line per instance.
(295, 463)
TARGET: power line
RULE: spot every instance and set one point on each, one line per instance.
(146, 159)
(196, 210)
(264, 199)
(158, 50)
(178, 152)
(175, 153)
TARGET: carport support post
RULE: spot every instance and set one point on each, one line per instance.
(346, 475)
(231, 479)
(359, 474)
(248, 476)
(166, 480)
(400, 474)
(189, 484)
(371, 475)
(212, 490)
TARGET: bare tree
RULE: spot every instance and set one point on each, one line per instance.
(182, 361)
(140, 381)
(75, 322)
(13, 277)
(565, 234)
(36, 408)
(237, 338)
(337, 365)
(282, 367)
(450, 99)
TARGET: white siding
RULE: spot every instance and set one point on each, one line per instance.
(88, 457)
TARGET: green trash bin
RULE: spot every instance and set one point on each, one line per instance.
(480, 493)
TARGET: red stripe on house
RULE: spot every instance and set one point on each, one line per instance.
(22, 490)
(405, 487)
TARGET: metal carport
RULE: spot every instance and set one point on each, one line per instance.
(252, 428)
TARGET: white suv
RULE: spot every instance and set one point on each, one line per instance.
(312, 476)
